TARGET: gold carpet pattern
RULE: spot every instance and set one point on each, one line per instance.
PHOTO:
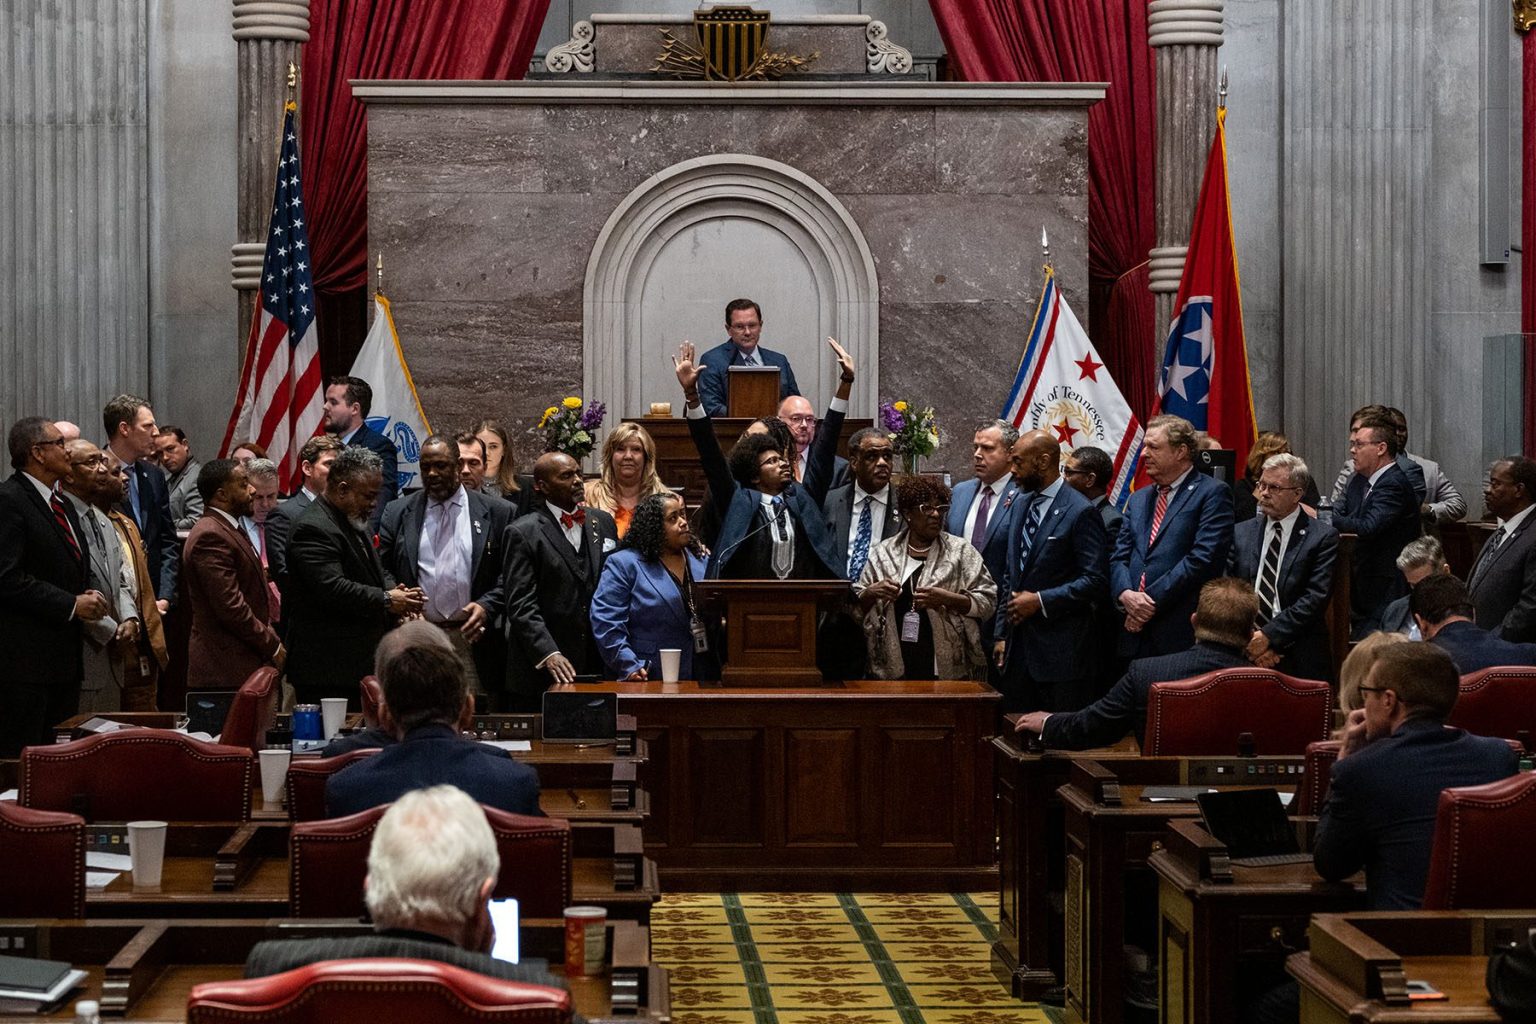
(833, 958)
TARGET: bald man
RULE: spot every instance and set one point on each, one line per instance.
(800, 417)
(554, 556)
(1057, 570)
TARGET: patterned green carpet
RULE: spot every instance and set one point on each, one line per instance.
(833, 958)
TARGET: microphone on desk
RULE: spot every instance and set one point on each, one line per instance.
(731, 548)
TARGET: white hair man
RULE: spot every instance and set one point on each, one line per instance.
(431, 870)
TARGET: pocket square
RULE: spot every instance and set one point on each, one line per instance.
(609, 544)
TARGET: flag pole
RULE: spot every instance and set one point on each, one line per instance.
(1221, 94)
(1045, 249)
(378, 287)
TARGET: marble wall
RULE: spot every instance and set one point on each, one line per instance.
(490, 210)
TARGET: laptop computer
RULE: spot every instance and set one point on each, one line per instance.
(1251, 823)
(576, 717)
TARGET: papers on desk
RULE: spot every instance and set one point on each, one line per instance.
(511, 746)
(205, 737)
(100, 879)
(11, 794)
(28, 985)
(109, 861)
(1173, 794)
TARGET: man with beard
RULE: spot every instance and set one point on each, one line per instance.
(340, 601)
(347, 401)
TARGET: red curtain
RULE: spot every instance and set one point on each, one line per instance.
(1528, 238)
(464, 39)
(1087, 41)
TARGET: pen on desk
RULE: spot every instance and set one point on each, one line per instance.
(581, 804)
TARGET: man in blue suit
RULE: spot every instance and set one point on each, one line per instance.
(744, 323)
(1382, 511)
(1288, 557)
(1057, 568)
(978, 507)
(1175, 537)
(132, 440)
(1443, 609)
(347, 401)
(770, 526)
(426, 705)
(1396, 759)
(1222, 625)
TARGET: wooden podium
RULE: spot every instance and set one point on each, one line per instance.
(752, 391)
(770, 628)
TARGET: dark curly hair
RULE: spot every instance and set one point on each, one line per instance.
(779, 431)
(744, 457)
(647, 529)
(913, 491)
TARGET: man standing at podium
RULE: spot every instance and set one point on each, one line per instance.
(744, 323)
(770, 526)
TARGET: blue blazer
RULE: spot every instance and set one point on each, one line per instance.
(1473, 648)
(737, 505)
(637, 610)
(433, 755)
(1380, 810)
(1191, 550)
(385, 449)
(1383, 519)
(162, 548)
(994, 551)
(1068, 566)
(1124, 707)
(712, 386)
(1300, 631)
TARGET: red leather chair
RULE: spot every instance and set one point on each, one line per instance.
(1497, 702)
(371, 696)
(306, 783)
(139, 773)
(1318, 769)
(368, 991)
(328, 860)
(1204, 715)
(1475, 863)
(254, 708)
(42, 862)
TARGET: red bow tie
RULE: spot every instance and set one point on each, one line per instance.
(569, 519)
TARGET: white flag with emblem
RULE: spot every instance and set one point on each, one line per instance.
(396, 412)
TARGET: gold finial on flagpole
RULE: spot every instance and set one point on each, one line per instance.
(378, 265)
(1045, 247)
(1221, 101)
(293, 75)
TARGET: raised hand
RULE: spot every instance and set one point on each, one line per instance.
(688, 370)
(844, 360)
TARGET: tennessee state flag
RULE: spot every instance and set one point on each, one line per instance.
(1205, 364)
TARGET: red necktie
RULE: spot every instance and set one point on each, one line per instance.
(569, 519)
(57, 504)
(1157, 523)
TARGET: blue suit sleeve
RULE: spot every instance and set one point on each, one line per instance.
(1091, 548)
(1120, 562)
(1386, 506)
(611, 612)
(712, 385)
(722, 486)
(788, 386)
(170, 545)
(1100, 724)
(818, 463)
(1206, 557)
(1340, 849)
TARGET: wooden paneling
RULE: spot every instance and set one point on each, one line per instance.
(927, 760)
(821, 787)
(728, 783)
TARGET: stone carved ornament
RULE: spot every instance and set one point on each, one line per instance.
(579, 54)
(884, 55)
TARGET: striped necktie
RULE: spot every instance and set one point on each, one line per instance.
(57, 504)
(1157, 524)
(1269, 576)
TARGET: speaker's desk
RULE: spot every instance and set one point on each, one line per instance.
(867, 786)
(144, 970)
(1358, 964)
(1225, 928)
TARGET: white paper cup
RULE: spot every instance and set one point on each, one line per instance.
(333, 715)
(146, 848)
(274, 773)
(671, 664)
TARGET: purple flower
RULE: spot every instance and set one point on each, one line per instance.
(890, 418)
(592, 418)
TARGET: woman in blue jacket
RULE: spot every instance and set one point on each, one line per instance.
(645, 602)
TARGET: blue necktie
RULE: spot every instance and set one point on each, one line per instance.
(133, 494)
(1031, 524)
(860, 553)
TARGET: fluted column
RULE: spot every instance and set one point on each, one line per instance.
(268, 35)
(1185, 35)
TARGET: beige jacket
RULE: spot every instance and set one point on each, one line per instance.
(952, 564)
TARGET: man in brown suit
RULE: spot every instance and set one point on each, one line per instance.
(226, 586)
(141, 661)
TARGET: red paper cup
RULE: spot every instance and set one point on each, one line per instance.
(586, 934)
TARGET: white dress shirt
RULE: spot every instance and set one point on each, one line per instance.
(444, 572)
(877, 512)
(572, 532)
(1287, 526)
(996, 487)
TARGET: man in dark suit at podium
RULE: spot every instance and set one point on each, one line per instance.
(744, 323)
(770, 526)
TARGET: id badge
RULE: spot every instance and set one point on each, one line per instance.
(700, 637)
(909, 627)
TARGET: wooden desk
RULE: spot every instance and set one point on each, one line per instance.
(1358, 964)
(1218, 920)
(1027, 954)
(1110, 833)
(144, 970)
(677, 462)
(848, 787)
(241, 870)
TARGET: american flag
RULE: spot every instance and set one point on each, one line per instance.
(281, 401)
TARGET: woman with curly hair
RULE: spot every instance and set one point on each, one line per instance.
(644, 602)
(925, 594)
(628, 474)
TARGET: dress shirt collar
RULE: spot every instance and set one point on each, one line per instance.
(1287, 524)
(124, 463)
(456, 500)
(308, 494)
(860, 495)
(997, 487)
(1509, 525)
(349, 435)
(231, 520)
(82, 507)
(1174, 487)
(1053, 488)
(1377, 475)
(43, 489)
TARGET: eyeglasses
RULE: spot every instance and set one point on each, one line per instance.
(1373, 689)
(1261, 486)
(933, 510)
(1357, 445)
(1069, 471)
(58, 441)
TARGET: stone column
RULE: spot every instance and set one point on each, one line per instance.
(1185, 35)
(268, 34)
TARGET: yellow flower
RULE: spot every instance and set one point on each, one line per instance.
(572, 403)
(900, 406)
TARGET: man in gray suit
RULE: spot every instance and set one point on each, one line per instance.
(104, 641)
(181, 476)
(431, 870)
(1503, 579)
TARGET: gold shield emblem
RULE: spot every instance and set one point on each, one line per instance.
(731, 39)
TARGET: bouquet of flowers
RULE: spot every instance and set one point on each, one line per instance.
(914, 433)
(570, 428)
